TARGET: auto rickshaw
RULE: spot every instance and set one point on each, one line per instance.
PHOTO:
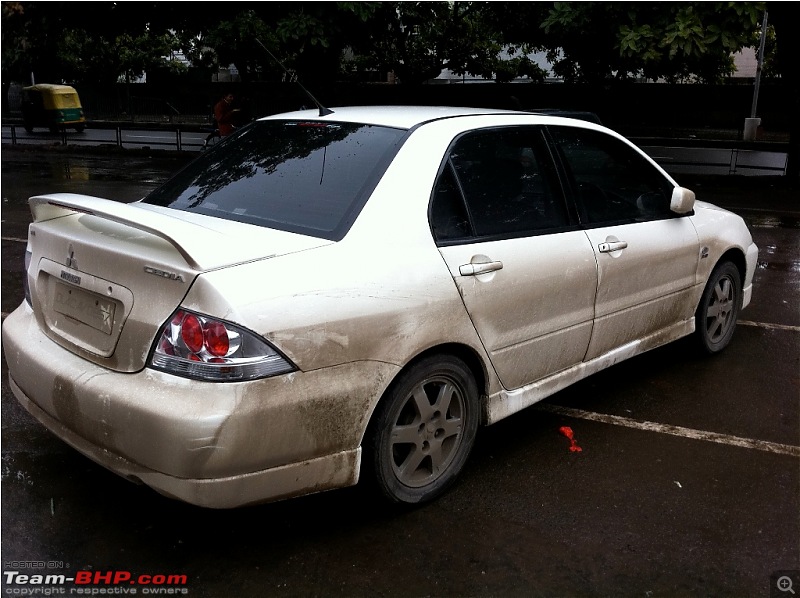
(53, 106)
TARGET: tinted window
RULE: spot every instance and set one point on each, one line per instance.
(614, 182)
(501, 181)
(307, 177)
(449, 218)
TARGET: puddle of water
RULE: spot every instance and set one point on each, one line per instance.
(780, 266)
(765, 221)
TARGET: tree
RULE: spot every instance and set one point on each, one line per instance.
(417, 40)
(585, 41)
(675, 41)
(54, 42)
(309, 38)
(125, 56)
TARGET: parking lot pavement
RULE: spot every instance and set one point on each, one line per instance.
(687, 484)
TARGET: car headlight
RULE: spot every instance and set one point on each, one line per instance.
(204, 348)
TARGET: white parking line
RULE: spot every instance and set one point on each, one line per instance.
(769, 326)
(616, 420)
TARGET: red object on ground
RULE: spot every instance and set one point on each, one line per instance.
(573, 444)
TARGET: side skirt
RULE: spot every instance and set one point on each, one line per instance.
(507, 402)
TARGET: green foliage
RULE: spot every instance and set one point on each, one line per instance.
(417, 40)
(668, 40)
(585, 41)
(309, 38)
(123, 57)
(81, 42)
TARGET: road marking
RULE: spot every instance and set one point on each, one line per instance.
(769, 326)
(616, 420)
(15, 239)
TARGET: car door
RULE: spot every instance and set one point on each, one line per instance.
(525, 270)
(647, 256)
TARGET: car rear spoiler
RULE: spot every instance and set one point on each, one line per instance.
(197, 245)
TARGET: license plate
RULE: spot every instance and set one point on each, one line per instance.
(88, 308)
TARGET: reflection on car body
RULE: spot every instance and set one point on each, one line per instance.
(321, 297)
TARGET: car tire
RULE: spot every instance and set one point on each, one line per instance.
(424, 430)
(715, 319)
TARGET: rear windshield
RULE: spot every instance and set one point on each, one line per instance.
(309, 177)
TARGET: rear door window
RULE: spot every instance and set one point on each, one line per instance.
(497, 183)
(310, 177)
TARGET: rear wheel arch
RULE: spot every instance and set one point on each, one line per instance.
(470, 358)
(465, 353)
(463, 370)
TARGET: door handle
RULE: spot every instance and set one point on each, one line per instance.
(478, 269)
(612, 246)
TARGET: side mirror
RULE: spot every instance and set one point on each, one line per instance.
(682, 201)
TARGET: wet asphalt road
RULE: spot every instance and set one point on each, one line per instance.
(643, 510)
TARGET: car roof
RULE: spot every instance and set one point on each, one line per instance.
(577, 114)
(405, 117)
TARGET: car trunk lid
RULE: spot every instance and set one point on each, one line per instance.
(105, 275)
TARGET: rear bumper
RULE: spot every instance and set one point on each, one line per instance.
(313, 475)
(209, 444)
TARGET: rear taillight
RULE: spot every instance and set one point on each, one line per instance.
(197, 346)
(25, 284)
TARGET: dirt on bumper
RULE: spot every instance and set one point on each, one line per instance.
(151, 426)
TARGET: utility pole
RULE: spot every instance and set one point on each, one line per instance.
(751, 124)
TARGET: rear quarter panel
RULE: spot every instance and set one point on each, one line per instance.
(382, 293)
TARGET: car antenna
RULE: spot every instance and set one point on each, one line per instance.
(323, 111)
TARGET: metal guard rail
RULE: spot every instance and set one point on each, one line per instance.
(675, 155)
(70, 137)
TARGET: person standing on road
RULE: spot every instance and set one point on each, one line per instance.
(225, 115)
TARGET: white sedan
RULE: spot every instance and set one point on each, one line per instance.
(323, 296)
